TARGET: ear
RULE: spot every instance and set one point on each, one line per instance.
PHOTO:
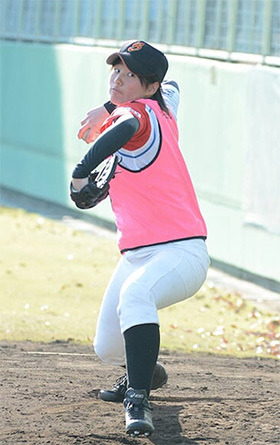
(152, 88)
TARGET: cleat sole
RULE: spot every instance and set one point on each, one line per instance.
(139, 433)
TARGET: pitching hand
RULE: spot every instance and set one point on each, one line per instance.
(89, 130)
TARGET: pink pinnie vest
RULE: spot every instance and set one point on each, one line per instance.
(156, 204)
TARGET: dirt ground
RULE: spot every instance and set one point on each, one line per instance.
(49, 396)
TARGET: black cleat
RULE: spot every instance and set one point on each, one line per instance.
(160, 377)
(138, 413)
(117, 393)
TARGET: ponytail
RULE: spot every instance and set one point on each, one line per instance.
(147, 80)
(158, 97)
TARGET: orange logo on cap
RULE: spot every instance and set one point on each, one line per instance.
(136, 46)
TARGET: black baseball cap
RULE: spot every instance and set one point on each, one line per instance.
(141, 58)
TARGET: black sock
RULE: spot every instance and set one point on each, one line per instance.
(141, 347)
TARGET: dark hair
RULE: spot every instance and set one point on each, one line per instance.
(146, 81)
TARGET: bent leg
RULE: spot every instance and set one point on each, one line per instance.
(108, 341)
(165, 274)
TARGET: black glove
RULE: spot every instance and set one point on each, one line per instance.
(97, 188)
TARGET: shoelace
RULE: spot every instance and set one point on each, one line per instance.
(136, 411)
(121, 381)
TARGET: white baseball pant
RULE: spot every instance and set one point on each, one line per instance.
(145, 280)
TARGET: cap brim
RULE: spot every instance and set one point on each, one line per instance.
(136, 67)
(111, 59)
(126, 59)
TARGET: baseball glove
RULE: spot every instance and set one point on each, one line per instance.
(97, 188)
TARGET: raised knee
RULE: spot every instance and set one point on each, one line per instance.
(109, 355)
(102, 352)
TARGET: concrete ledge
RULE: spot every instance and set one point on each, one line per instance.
(267, 283)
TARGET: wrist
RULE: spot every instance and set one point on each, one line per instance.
(79, 183)
(110, 107)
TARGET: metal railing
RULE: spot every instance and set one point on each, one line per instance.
(224, 29)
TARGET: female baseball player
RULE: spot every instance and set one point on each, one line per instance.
(161, 232)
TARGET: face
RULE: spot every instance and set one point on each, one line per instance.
(125, 86)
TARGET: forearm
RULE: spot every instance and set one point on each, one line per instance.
(79, 183)
(107, 143)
